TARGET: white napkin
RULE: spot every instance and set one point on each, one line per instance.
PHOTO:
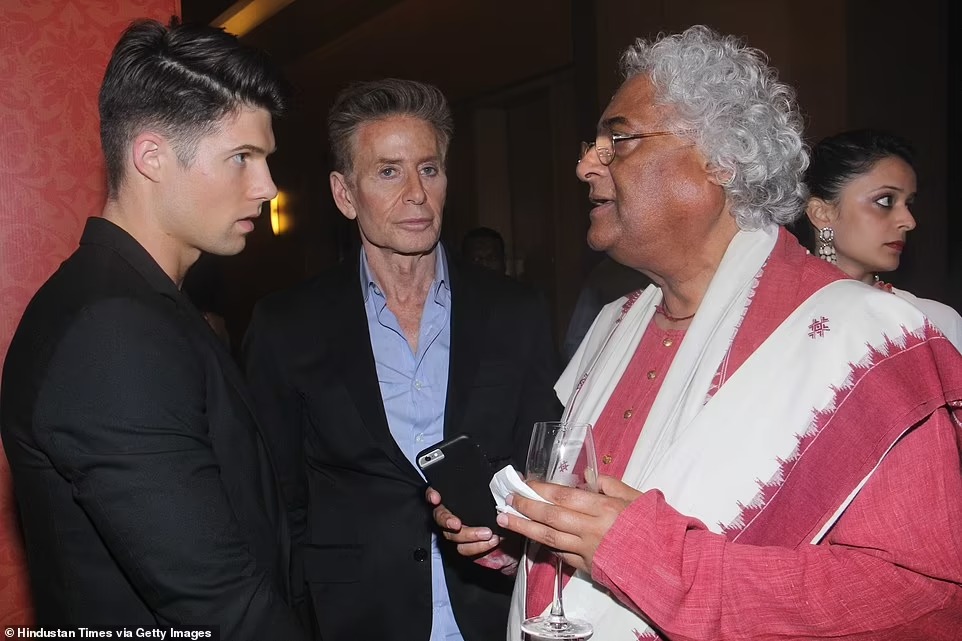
(507, 481)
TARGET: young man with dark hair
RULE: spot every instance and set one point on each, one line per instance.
(144, 484)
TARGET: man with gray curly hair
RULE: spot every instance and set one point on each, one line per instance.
(786, 439)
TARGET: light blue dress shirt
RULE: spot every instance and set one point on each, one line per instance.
(414, 389)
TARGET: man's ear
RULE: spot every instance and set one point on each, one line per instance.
(820, 213)
(719, 175)
(150, 155)
(343, 198)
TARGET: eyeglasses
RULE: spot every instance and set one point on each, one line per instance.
(604, 144)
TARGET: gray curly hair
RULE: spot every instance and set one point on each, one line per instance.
(745, 122)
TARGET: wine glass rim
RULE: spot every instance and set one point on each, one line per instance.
(566, 423)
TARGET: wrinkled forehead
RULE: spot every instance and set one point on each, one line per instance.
(393, 139)
(401, 126)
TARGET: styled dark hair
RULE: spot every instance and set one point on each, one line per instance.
(181, 79)
(363, 102)
(838, 159)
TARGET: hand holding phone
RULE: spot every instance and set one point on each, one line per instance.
(460, 472)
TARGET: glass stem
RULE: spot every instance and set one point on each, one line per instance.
(557, 617)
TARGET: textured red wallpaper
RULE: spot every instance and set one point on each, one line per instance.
(52, 57)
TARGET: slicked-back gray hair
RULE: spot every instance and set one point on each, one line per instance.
(745, 121)
(372, 100)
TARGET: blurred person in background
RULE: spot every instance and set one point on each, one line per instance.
(485, 247)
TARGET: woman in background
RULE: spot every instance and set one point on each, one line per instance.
(861, 187)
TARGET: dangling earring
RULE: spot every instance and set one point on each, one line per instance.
(826, 244)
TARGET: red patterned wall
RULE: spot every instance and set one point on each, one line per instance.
(52, 58)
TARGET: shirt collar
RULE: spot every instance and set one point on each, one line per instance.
(441, 285)
(100, 231)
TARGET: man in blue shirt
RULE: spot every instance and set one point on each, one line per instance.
(359, 369)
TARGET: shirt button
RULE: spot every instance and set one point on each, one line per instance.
(419, 437)
(667, 342)
(606, 459)
(417, 384)
(652, 374)
(420, 555)
(628, 413)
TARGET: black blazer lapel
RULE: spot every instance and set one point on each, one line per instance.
(233, 375)
(228, 365)
(99, 231)
(469, 319)
(351, 342)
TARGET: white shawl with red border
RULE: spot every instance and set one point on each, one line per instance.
(712, 459)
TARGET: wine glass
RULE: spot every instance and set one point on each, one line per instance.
(561, 452)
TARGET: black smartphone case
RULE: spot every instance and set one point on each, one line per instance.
(460, 472)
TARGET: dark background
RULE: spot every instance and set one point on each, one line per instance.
(527, 80)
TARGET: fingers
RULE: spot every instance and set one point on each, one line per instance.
(575, 521)
(610, 486)
(569, 497)
(473, 541)
(442, 516)
(471, 535)
(479, 548)
(614, 498)
(569, 544)
(455, 531)
(445, 519)
(553, 525)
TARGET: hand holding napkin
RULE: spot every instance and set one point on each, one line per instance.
(507, 481)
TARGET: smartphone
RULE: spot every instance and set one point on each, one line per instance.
(460, 472)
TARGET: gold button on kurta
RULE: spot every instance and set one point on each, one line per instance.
(606, 459)
(652, 374)
(628, 413)
(667, 342)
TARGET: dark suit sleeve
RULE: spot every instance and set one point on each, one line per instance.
(538, 399)
(279, 409)
(121, 415)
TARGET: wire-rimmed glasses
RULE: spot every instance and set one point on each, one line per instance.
(604, 143)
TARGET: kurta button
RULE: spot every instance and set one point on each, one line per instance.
(420, 555)
(628, 413)
(606, 459)
(652, 374)
(667, 342)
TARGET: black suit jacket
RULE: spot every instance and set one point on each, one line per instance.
(146, 493)
(361, 524)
